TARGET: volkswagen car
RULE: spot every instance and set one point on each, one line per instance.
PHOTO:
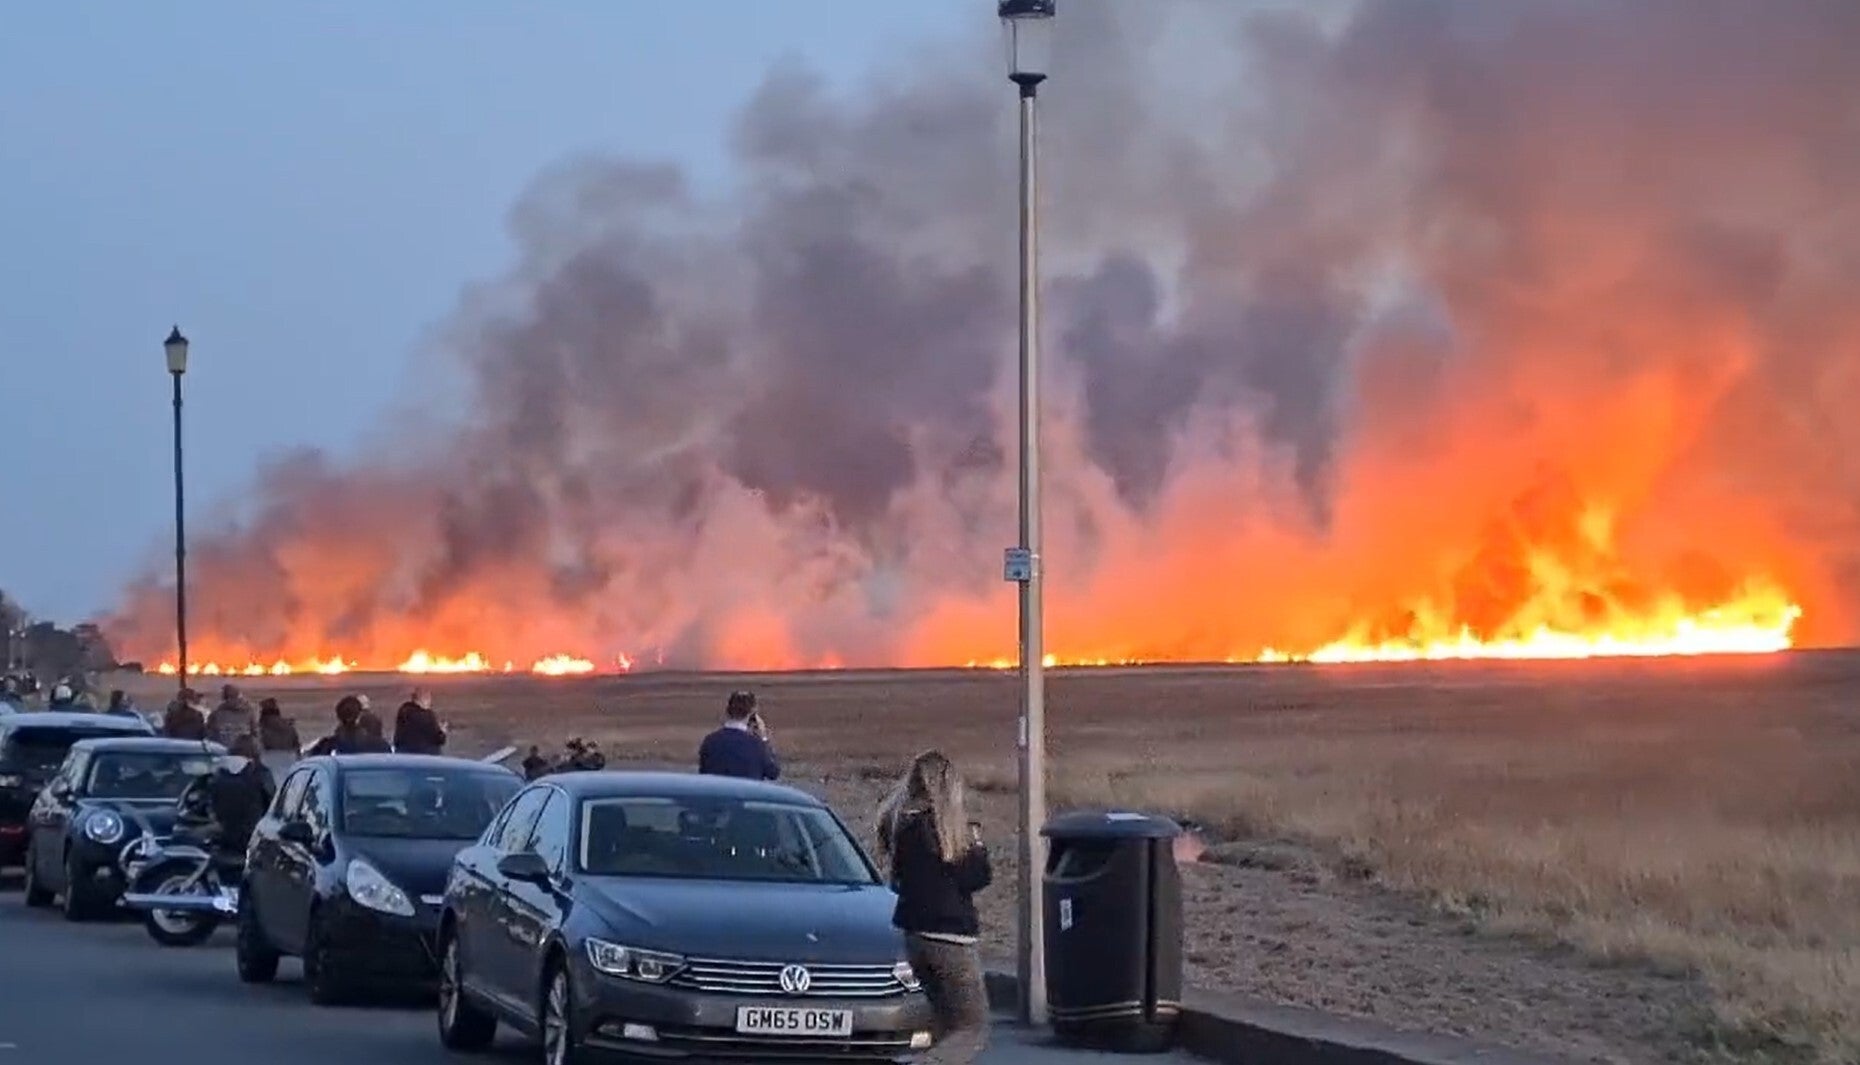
(32, 747)
(347, 868)
(666, 915)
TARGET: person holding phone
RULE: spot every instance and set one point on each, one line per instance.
(740, 748)
(938, 863)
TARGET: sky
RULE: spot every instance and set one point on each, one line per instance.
(305, 189)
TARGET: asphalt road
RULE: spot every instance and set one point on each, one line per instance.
(107, 993)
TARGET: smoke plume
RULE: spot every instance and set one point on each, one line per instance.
(1348, 310)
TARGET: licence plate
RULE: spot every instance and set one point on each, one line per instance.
(779, 1020)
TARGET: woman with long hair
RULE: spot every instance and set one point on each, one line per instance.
(938, 863)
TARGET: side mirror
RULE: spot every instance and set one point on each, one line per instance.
(526, 866)
(296, 832)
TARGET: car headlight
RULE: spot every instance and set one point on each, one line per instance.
(906, 975)
(631, 963)
(367, 886)
(104, 826)
(12, 780)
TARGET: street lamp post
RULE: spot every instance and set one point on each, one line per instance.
(176, 348)
(1029, 27)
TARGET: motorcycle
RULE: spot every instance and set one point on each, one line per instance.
(183, 888)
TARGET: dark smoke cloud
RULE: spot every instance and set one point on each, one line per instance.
(1391, 258)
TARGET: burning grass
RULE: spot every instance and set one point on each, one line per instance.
(1699, 819)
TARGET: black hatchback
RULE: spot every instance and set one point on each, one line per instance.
(32, 747)
(348, 868)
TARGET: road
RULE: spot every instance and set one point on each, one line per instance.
(107, 993)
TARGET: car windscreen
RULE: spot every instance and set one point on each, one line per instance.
(423, 803)
(718, 839)
(43, 750)
(144, 774)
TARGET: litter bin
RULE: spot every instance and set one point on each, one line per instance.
(1113, 930)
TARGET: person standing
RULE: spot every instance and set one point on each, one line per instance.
(278, 742)
(417, 730)
(231, 719)
(122, 705)
(938, 863)
(352, 733)
(740, 748)
(183, 720)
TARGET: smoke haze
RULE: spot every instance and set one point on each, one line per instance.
(1386, 310)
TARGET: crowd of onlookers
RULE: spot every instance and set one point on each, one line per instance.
(934, 854)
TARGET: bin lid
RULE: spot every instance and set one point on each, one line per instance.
(1110, 824)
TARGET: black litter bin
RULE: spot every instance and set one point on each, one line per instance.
(1113, 930)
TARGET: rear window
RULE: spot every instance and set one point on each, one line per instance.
(423, 803)
(44, 749)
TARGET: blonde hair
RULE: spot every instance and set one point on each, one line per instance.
(933, 788)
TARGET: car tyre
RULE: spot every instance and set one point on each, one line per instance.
(327, 987)
(37, 896)
(81, 902)
(257, 960)
(560, 1046)
(462, 1025)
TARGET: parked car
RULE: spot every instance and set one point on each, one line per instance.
(348, 868)
(32, 747)
(109, 795)
(674, 915)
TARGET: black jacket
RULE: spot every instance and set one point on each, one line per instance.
(935, 895)
(417, 731)
(183, 722)
(233, 803)
(349, 739)
(738, 752)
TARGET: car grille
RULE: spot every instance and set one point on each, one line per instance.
(860, 1046)
(764, 978)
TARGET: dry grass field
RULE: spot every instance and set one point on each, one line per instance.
(1608, 861)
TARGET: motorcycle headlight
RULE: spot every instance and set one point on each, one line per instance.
(104, 827)
(631, 963)
(367, 886)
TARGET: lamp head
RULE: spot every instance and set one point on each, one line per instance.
(1029, 28)
(176, 347)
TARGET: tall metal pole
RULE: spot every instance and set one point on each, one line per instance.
(180, 542)
(1032, 967)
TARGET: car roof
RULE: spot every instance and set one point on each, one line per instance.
(56, 719)
(149, 744)
(622, 783)
(408, 761)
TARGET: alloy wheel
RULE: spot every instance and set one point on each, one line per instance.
(449, 986)
(175, 922)
(556, 1048)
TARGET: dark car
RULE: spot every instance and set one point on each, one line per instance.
(348, 868)
(108, 795)
(673, 915)
(32, 747)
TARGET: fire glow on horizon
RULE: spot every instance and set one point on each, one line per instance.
(1760, 622)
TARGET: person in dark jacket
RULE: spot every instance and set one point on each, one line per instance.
(275, 731)
(534, 764)
(122, 705)
(416, 728)
(184, 720)
(741, 747)
(938, 863)
(229, 802)
(353, 734)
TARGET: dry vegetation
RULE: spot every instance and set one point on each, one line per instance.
(1662, 859)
